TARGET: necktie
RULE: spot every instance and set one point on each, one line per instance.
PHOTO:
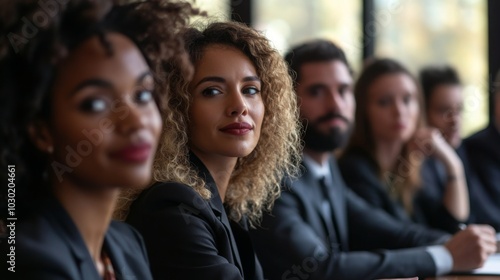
(327, 211)
(325, 202)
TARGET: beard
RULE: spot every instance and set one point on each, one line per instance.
(318, 141)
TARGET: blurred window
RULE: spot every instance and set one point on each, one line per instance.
(416, 32)
(420, 33)
(216, 9)
(290, 22)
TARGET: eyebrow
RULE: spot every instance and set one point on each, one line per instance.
(97, 82)
(315, 86)
(251, 79)
(321, 84)
(222, 80)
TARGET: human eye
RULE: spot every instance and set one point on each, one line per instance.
(93, 105)
(384, 101)
(144, 96)
(407, 99)
(210, 92)
(316, 91)
(251, 90)
(444, 110)
(344, 89)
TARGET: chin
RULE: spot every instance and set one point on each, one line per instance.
(455, 143)
(240, 151)
(134, 180)
(135, 184)
(239, 154)
(404, 137)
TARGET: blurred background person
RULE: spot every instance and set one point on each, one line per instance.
(444, 109)
(80, 123)
(318, 227)
(483, 149)
(383, 160)
(444, 102)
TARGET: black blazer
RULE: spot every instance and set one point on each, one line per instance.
(360, 174)
(297, 240)
(50, 247)
(483, 151)
(188, 237)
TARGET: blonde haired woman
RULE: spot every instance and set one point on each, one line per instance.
(230, 136)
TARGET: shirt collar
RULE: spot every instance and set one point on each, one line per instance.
(317, 170)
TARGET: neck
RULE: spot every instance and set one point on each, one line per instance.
(90, 209)
(319, 157)
(387, 153)
(221, 168)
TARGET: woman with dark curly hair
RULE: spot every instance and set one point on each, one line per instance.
(81, 85)
(232, 135)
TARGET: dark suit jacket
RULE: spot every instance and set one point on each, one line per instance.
(297, 241)
(188, 237)
(360, 174)
(50, 247)
(429, 207)
(483, 151)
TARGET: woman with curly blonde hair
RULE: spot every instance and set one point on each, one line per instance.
(230, 135)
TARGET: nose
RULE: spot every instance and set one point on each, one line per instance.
(237, 104)
(454, 118)
(399, 108)
(335, 100)
(129, 118)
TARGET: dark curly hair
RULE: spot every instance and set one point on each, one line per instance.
(37, 35)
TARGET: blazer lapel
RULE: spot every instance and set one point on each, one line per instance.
(306, 182)
(338, 204)
(120, 266)
(220, 213)
(217, 207)
(73, 238)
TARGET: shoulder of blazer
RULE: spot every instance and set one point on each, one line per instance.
(124, 234)
(167, 194)
(357, 159)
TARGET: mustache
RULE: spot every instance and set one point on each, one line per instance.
(330, 116)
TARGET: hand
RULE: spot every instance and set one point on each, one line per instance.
(471, 247)
(431, 142)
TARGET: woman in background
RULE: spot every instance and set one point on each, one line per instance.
(81, 123)
(383, 161)
(232, 135)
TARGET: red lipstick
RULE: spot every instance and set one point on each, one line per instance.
(135, 153)
(240, 128)
(399, 126)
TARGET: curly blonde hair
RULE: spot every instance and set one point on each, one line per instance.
(255, 181)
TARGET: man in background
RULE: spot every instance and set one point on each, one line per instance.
(483, 149)
(317, 218)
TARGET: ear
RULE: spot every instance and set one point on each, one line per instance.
(41, 137)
